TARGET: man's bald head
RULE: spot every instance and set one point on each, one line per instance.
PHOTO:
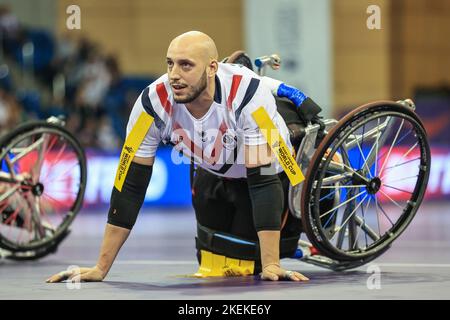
(191, 66)
(197, 43)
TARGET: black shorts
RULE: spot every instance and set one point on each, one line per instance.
(224, 205)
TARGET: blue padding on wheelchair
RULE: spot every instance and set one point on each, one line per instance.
(293, 94)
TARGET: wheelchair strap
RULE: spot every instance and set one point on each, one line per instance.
(236, 247)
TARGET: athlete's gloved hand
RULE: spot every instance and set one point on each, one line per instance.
(274, 272)
(78, 275)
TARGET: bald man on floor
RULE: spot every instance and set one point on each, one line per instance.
(203, 109)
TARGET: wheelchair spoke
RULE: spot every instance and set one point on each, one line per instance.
(361, 225)
(385, 185)
(409, 150)
(343, 186)
(8, 193)
(343, 203)
(377, 213)
(393, 201)
(349, 173)
(385, 214)
(369, 134)
(339, 228)
(330, 218)
(327, 196)
(402, 179)
(10, 166)
(27, 150)
(58, 158)
(14, 215)
(377, 146)
(36, 170)
(397, 143)
(36, 217)
(371, 233)
(52, 199)
(333, 179)
(392, 145)
(401, 164)
(366, 160)
(66, 171)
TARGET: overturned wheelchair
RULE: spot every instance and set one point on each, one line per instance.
(365, 178)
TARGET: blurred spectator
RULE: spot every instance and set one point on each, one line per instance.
(11, 32)
(65, 55)
(106, 138)
(11, 113)
(9, 24)
(84, 85)
(95, 82)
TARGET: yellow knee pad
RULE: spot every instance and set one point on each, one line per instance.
(215, 265)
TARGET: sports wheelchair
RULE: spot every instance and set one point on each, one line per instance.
(42, 183)
(365, 177)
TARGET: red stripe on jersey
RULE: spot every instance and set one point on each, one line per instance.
(163, 97)
(234, 88)
(218, 143)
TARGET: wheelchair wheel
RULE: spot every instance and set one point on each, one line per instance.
(42, 184)
(375, 163)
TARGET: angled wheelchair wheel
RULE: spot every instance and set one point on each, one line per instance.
(375, 165)
(42, 184)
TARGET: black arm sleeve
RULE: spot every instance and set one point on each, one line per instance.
(125, 205)
(266, 194)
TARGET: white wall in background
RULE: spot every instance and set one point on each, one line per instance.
(300, 32)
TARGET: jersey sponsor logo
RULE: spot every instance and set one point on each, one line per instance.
(129, 149)
(124, 162)
(229, 140)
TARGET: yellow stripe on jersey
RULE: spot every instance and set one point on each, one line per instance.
(130, 147)
(278, 146)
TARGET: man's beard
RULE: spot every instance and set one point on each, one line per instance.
(196, 91)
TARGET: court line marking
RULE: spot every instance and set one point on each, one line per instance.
(193, 262)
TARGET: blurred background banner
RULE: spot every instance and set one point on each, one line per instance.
(169, 185)
(92, 75)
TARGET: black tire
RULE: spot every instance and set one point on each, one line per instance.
(363, 177)
(38, 253)
(57, 136)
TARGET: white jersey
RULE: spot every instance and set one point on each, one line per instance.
(216, 140)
